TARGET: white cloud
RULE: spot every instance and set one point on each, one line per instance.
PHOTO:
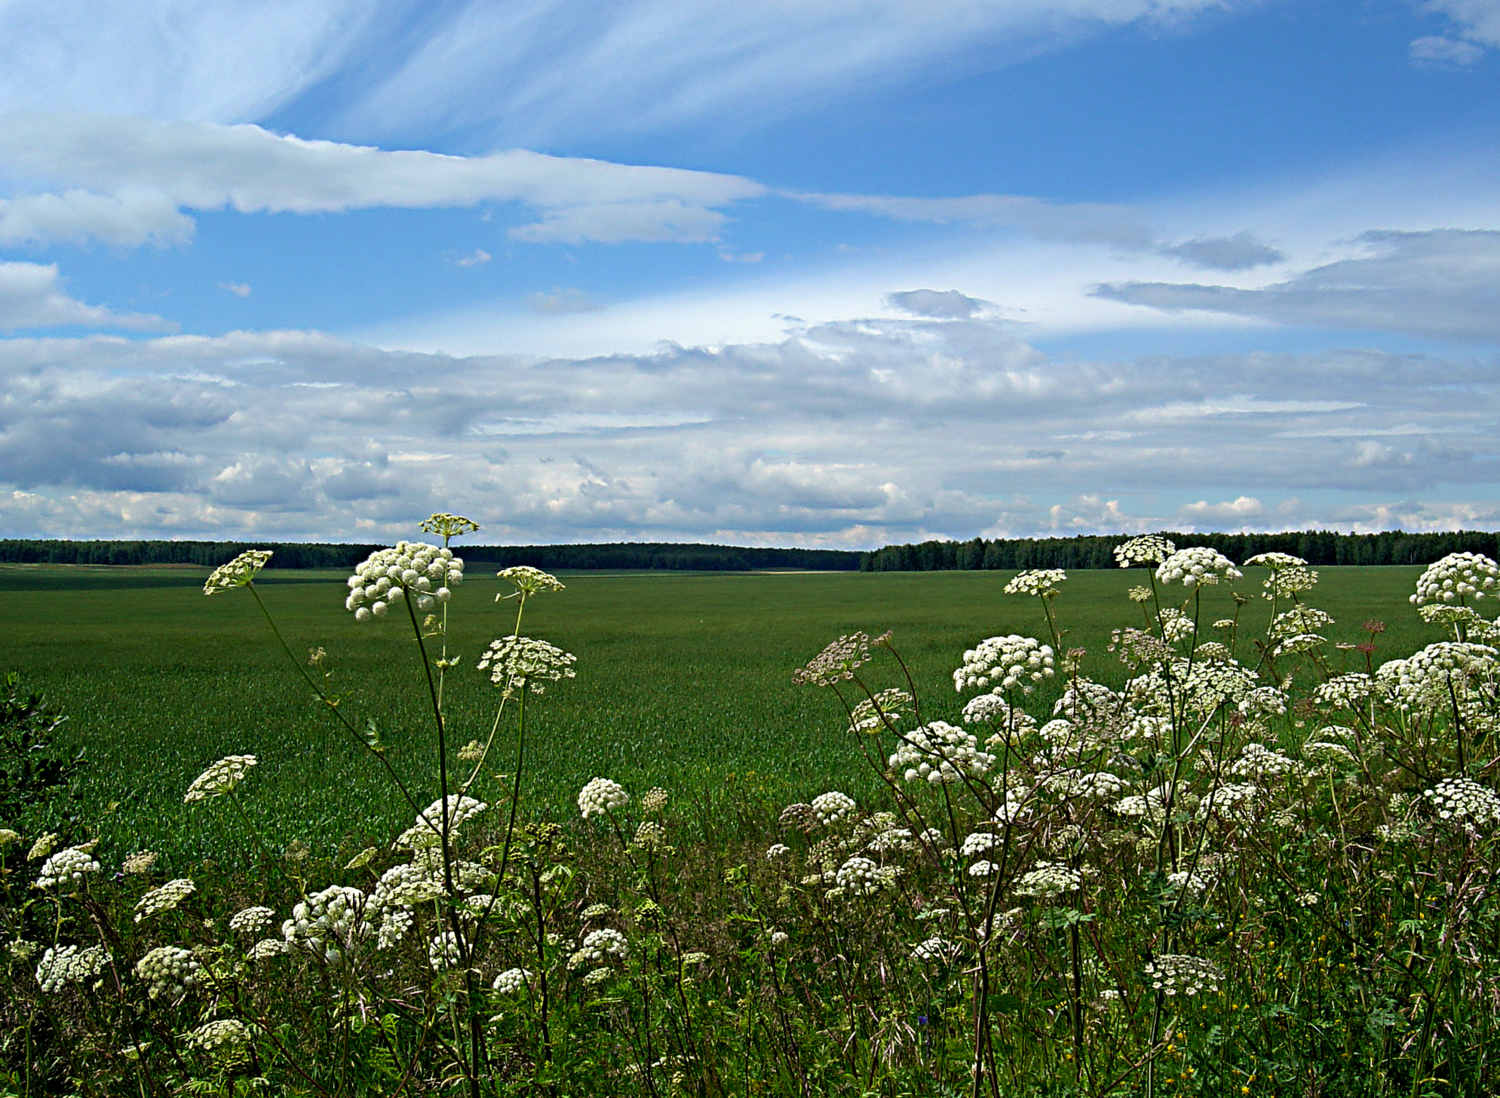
(31, 296)
(571, 300)
(1239, 252)
(152, 170)
(238, 289)
(478, 258)
(1434, 49)
(852, 432)
(555, 69)
(1475, 20)
(936, 304)
(1443, 283)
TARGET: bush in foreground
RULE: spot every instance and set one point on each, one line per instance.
(1260, 866)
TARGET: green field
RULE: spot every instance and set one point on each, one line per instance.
(683, 681)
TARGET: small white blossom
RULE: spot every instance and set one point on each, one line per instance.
(1197, 566)
(411, 568)
(1464, 801)
(1037, 581)
(601, 796)
(830, 808)
(512, 980)
(1005, 663)
(168, 971)
(859, 876)
(1457, 577)
(1048, 879)
(934, 950)
(219, 779)
(69, 964)
(251, 922)
(164, 898)
(939, 753)
(516, 662)
(238, 572)
(66, 869)
(1147, 549)
(1180, 974)
(427, 831)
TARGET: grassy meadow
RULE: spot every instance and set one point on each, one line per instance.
(684, 681)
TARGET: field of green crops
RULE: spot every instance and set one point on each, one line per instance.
(684, 681)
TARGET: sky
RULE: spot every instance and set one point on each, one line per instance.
(838, 274)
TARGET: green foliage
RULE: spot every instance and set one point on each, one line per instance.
(32, 768)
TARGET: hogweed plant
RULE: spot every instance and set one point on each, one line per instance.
(1196, 863)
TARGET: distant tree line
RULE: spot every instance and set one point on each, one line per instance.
(629, 556)
(1313, 546)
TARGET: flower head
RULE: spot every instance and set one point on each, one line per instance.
(427, 832)
(1148, 549)
(1456, 577)
(251, 922)
(830, 808)
(66, 869)
(528, 581)
(601, 796)
(168, 971)
(69, 964)
(410, 569)
(448, 526)
(513, 662)
(1463, 800)
(940, 753)
(512, 980)
(1038, 581)
(219, 779)
(1180, 974)
(165, 898)
(837, 662)
(1005, 663)
(1196, 566)
(238, 572)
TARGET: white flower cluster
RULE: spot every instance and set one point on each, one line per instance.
(601, 796)
(1181, 974)
(882, 711)
(1289, 575)
(427, 831)
(529, 581)
(599, 947)
(515, 661)
(1299, 619)
(407, 886)
(1197, 566)
(164, 898)
(219, 779)
(830, 808)
(327, 922)
(238, 572)
(1349, 690)
(394, 923)
(223, 1038)
(993, 709)
(1148, 549)
(1048, 879)
(940, 753)
(1175, 625)
(934, 950)
(1263, 701)
(511, 981)
(1037, 581)
(1005, 663)
(1257, 760)
(977, 842)
(1465, 801)
(69, 965)
(425, 572)
(859, 876)
(251, 922)
(168, 970)
(267, 948)
(776, 851)
(1423, 679)
(66, 869)
(1231, 801)
(442, 952)
(1456, 577)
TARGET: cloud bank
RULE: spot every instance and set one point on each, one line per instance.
(850, 433)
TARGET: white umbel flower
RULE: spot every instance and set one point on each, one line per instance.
(1196, 566)
(1457, 577)
(1012, 662)
(601, 796)
(411, 569)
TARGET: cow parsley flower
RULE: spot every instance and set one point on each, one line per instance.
(164, 898)
(837, 662)
(267, 948)
(1464, 801)
(238, 572)
(514, 662)
(528, 581)
(1043, 582)
(1424, 679)
(1257, 760)
(859, 876)
(442, 952)
(935, 951)
(882, 711)
(168, 971)
(219, 779)
(601, 796)
(66, 869)
(830, 808)
(983, 869)
(226, 1039)
(394, 924)
(251, 922)
(1148, 549)
(427, 831)
(70, 964)
(777, 851)
(939, 753)
(412, 568)
(448, 526)
(1005, 663)
(1048, 879)
(138, 863)
(512, 980)
(599, 947)
(327, 922)
(1456, 577)
(42, 847)
(408, 886)
(1181, 974)
(1197, 566)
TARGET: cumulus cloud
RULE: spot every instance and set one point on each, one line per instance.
(937, 304)
(853, 432)
(126, 180)
(1475, 24)
(31, 296)
(1240, 252)
(1440, 282)
(1434, 49)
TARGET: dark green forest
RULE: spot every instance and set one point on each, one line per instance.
(1313, 546)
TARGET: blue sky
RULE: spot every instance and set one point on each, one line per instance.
(836, 274)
